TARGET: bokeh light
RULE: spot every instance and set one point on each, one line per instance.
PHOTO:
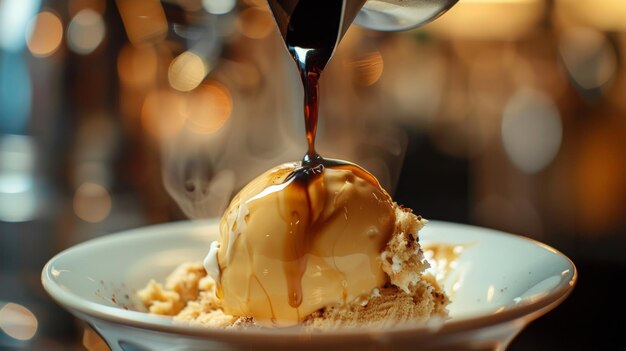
(44, 34)
(92, 202)
(209, 108)
(85, 32)
(531, 130)
(219, 7)
(18, 322)
(186, 71)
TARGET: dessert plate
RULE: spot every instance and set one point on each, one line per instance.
(497, 282)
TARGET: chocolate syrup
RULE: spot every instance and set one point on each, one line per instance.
(311, 30)
(311, 37)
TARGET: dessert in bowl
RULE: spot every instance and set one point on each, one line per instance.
(497, 284)
(320, 245)
(310, 255)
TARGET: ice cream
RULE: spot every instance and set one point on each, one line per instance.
(288, 248)
(322, 249)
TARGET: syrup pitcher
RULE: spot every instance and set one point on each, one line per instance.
(381, 15)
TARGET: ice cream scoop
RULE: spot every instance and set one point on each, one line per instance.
(295, 240)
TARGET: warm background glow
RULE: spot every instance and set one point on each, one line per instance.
(115, 114)
(85, 32)
(186, 71)
(45, 34)
(17, 321)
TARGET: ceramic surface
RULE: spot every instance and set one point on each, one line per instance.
(498, 283)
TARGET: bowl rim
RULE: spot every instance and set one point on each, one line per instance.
(75, 304)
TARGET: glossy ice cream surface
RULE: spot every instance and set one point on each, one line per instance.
(291, 245)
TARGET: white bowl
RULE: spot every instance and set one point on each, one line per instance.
(499, 284)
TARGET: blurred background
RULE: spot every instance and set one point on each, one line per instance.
(509, 114)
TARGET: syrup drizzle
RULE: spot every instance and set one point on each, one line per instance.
(311, 36)
(311, 30)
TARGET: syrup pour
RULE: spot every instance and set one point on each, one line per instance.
(312, 34)
(311, 30)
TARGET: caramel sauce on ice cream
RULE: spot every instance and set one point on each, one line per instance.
(289, 247)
